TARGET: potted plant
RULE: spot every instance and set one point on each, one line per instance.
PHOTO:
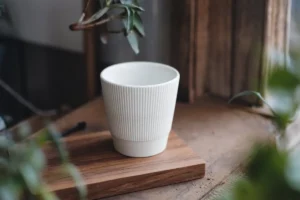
(139, 97)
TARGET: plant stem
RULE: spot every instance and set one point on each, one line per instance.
(30, 106)
(78, 26)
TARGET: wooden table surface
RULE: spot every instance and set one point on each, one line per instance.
(219, 133)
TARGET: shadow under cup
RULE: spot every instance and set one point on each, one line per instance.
(139, 99)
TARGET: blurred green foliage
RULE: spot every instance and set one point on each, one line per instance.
(22, 162)
(282, 91)
(273, 172)
(270, 175)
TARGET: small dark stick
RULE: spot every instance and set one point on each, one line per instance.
(79, 127)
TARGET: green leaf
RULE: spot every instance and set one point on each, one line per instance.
(268, 159)
(137, 8)
(36, 158)
(4, 142)
(31, 177)
(4, 165)
(283, 103)
(60, 146)
(133, 4)
(292, 171)
(128, 22)
(136, 2)
(266, 176)
(70, 168)
(46, 194)
(282, 94)
(245, 190)
(126, 1)
(257, 94)
(42, 137)
(24, 130)
(282, 79)
(75, 174)
(8, 192)
(131, 19)
(133, 41)
(138, 24)
(96, 16)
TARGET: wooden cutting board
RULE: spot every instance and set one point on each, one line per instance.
(108, 173)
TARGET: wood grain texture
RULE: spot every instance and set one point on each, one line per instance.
(221, 135)
(90, 54)
(192, 47)
(277, 23)
(220, 47)
(277, 27)
(223, 47)
(190, 40)
(248, 39)
(182, 43)
(108, 173)
(200, 48)
(218, 133)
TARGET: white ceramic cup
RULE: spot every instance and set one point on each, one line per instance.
(139, 99)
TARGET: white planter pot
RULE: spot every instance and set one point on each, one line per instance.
(140, 100)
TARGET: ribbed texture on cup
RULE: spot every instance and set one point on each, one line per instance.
(140, 113)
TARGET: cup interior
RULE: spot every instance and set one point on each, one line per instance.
(139, 74)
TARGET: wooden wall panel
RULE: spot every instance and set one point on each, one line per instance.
(189, 46)
(180, 44)
(248, 38)
(278, 15)
(90, 53)
(201, 46)
(219, 47)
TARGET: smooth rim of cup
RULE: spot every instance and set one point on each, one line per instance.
(177, 76)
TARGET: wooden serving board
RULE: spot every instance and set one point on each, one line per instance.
(108, 173)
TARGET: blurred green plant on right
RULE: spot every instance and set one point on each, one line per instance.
(270, 175)
(282, 92)
(273, 171)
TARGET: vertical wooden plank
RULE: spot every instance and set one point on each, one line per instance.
(183, 35)
(201, 45)
(277, 25)
(248, 38)
(278, 19)
(191, 50)
(220, 51)
(189, 45)
(90, 54)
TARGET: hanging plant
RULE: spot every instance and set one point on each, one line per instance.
(129, 13)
